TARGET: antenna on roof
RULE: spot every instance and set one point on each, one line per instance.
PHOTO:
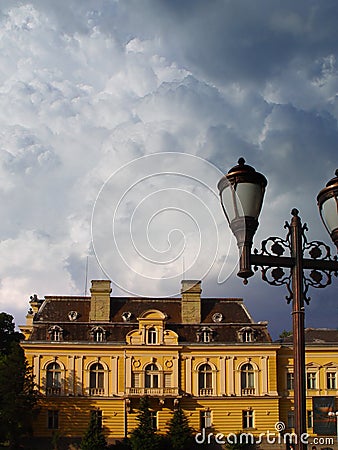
(86, 279)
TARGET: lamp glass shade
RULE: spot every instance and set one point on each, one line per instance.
(229, 202)
(242, 191)
(329, 213)
(251, 198)
(328, 207)
(244, 200)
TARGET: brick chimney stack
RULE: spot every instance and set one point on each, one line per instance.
(100, 301)
(191, 301)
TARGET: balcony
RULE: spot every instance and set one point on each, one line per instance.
(53, 391)
(205, 392)
(94, 392)
(152, 391)
(248, 391)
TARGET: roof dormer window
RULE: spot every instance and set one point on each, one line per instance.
(98, 334)
(205, 335)
(247, 334)
(152, 336)
(55, 333)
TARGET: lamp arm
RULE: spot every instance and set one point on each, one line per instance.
(286, 261)
(271, 261)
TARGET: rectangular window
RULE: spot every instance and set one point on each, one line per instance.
(247, 336)
(152, 336)
(248, 419)
(290, 379)
(311, 380)
(53, 419)
(310, 419)
(55, 336)
(167, 380)
(151, 380)
(331, 380)
(96, 380)
(291, 419)
(97, 413)
(205, 419)
(98, 337)
(206, 336)
(153, 418)
(135, 380)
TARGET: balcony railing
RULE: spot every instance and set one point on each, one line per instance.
(206, 392)
(53, 391)
(248, 391)
(152, 391)
(96, 391)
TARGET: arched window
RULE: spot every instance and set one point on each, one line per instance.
(55, 333)
(151, 376)
(247, 334)
(152, 336)
(98, 334)
(53, 379)
(205, 334)
(247, 379)
(205, 380)
(96, 379)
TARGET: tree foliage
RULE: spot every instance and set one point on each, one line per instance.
(144, 437)
(8, 335)
(180, 434)
(241, 441)
(94, 438)
(284, 334)
(18, 397)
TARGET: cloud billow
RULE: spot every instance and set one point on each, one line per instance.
(86, 87)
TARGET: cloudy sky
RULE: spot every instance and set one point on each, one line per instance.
(118, 117)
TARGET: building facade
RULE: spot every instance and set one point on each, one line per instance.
(100, 354)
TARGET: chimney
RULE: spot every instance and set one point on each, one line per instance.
(100, 301)
(191, 301)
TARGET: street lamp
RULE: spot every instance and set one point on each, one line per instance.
(242, 192)
(334, 415)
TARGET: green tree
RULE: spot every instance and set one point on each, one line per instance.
(144, 437)
(8, 335)
(284, 334)
(94, 438)
(240, 442)
(18, 397)
(180, 433)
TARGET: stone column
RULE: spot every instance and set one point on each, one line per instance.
(79, 387)
(222, 384)
(71, 375)
(36, 370)
(231, 375)
(188, 374)
(265, 375)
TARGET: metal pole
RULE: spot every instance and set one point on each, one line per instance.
(298, 329)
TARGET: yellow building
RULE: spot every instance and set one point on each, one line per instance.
(321, 374)
(100, 354)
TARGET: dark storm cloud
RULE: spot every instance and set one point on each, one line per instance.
(88, 86)
(243, 41)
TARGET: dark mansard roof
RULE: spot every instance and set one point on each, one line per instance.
(55, 311)
(316, 336)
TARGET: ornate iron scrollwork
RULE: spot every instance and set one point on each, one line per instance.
(275, 275)
(316, 251)
(274, 262)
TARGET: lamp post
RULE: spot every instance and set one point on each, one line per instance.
(242, 191)
(334, 415)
